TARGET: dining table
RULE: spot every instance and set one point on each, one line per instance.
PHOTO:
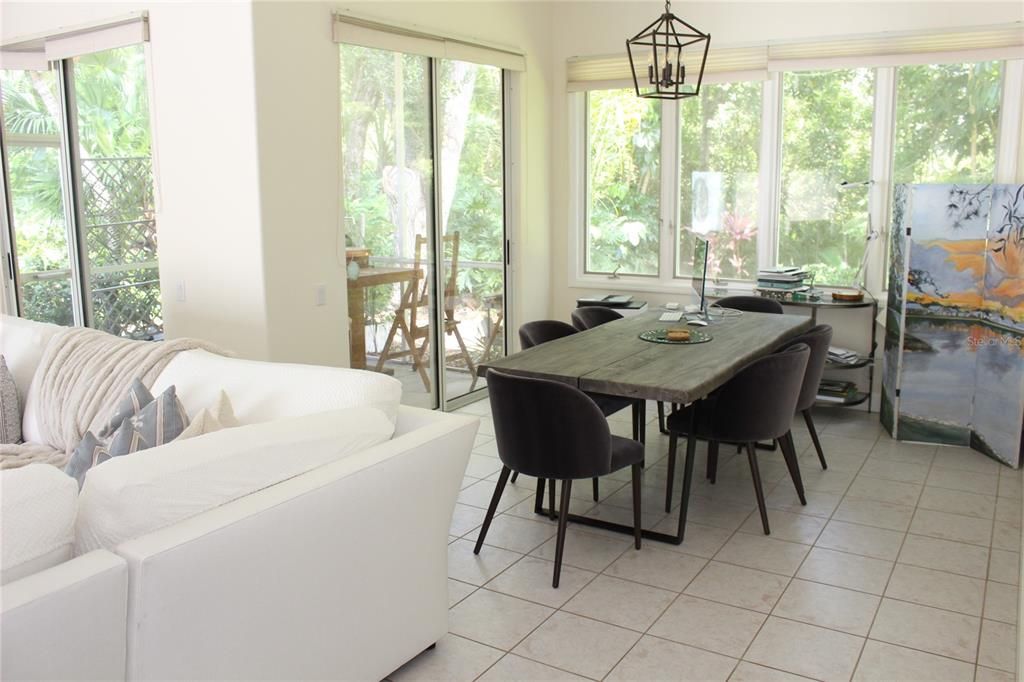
(612, 359)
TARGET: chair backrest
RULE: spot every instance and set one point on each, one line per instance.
(592, 316)
(818, 340)
(759, 402)
(751, 304)
(548, 429)
(541, 331)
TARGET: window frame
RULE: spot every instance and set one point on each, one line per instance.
(1008, 155)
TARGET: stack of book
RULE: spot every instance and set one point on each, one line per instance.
(832, 391)
(782, 280)
(842, 356)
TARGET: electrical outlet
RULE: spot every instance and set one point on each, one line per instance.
(321, 295)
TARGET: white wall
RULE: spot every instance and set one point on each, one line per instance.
(204, 126)
(600, 28)
(246, 126)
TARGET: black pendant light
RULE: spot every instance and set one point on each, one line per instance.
(664, 40)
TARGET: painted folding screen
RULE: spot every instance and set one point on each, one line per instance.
(954, 347)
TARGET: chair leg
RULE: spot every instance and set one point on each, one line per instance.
(515, 475)
(538, 504)
(755, 473)
(789, 453)
(814, 437)
(637, 473)
(673, 441)
(597, 489)
(661, 418)
(551, 499)
(712, 466)
(563, 517)
(498, 490)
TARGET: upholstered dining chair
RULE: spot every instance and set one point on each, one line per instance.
(592, 316)
(554, 431)
(541, 331)
(750, 304)
(818, 340)
(758, 403)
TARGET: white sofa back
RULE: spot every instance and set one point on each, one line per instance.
(262, 391)
(21, 343)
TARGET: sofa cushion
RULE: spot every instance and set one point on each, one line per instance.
(22, 343)
(10, 408)
(137, 398)
(130, 496)
(88, 453)
(37, 519)
(262, 391)
(218, 416)
(157, 423)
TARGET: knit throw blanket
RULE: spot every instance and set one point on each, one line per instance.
(81, 377)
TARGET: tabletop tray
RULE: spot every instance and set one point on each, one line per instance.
(659, 336)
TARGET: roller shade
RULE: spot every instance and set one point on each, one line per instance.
(723, 64)
(35, 52)
(366, 33)
(754, 63)
(898, 49)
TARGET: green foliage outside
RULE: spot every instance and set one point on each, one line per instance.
(826, 140)
(624, 182)
(386, 125)
(946, 131)
(114, 148)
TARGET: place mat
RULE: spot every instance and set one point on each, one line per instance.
(661, 336)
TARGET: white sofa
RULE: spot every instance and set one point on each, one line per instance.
(336, 573)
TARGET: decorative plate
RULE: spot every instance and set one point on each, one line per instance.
(661, 336)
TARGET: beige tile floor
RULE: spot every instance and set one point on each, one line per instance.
(903, 566)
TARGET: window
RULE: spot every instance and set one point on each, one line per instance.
(423, 156)
(720, 141)
(946, 120)
(777, 172)
(93, 262)
(826, 142)
(623, 183)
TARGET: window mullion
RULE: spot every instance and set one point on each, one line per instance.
(1008, 146)
(73, 215)
(880, 190)
(770, 182)
(669, 219)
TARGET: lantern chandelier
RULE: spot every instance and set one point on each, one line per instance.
(663, 41)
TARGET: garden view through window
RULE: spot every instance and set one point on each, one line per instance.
(945, 129)
(393, 202)
(112, 224)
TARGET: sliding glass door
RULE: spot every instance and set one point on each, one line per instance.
(35, 198)
(388, 175)
(423, 200)
(79, 193)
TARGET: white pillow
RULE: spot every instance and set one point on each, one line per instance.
(126, 497)
(22, 343)
(262, 391)
(38, 503)
(218, 416)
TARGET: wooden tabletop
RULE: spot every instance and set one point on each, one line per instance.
(613, 359)
(375, 276)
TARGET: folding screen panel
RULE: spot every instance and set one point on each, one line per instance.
(954, 370)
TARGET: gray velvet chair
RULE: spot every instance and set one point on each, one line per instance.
(541, 331)
(555, 432)
(592, 316)
(818, 340)
(758, 403)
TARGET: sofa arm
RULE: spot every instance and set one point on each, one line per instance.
(66, 622)
(340, 573)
